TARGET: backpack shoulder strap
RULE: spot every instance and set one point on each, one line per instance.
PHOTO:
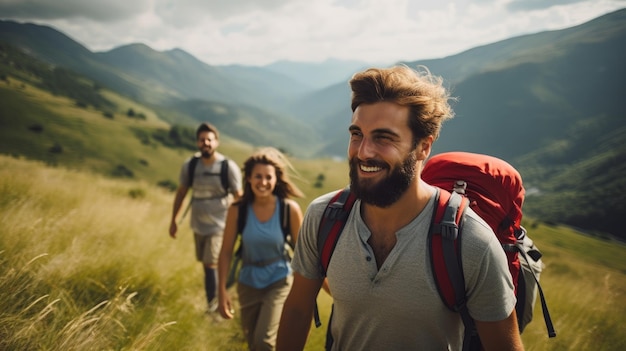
(223, 172)
(445, 255)
(285, 220)
(224, 175)
(332, 223)
(191, 169)
(242, 216)
(443, 234)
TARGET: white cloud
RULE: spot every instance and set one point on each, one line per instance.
(98, 11)
(257, 32)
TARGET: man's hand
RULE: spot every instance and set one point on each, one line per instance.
(173, 229)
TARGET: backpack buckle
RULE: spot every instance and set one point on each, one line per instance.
(449, 230)
(460, 186)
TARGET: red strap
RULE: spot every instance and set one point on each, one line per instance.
(329, 246)
(440, 273)
(332, 223)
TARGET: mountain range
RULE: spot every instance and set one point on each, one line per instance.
(550, 103)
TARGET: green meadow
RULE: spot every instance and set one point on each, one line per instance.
(86, 264)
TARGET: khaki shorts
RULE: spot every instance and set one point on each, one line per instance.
(208, 248)
(260, 312)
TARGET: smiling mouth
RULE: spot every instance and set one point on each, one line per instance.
(369, 169)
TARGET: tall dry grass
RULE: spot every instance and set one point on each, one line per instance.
(86, 263)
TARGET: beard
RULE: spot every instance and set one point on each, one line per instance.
(385, 192)
(206, 153)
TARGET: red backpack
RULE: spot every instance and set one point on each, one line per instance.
(493, 189)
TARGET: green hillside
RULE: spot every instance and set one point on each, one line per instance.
(245, 123)
(580, 191)
(84, 127)
(162, 79)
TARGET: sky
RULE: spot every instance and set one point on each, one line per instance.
(259, 32)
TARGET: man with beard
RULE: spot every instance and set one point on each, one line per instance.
(380, 277)
(209, 204)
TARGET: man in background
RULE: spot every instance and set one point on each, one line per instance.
(209, 203)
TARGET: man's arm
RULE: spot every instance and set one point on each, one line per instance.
(297, 315)
(181, 192)
(237, 195)
(500, 335)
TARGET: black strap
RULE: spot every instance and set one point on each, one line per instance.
(316, 316)
(242, 216)
(224, 175)
(451, 233)
(191, 172)
(544, 305)
(285, 221)
(329, 336)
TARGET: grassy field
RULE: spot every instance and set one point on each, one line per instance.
(86, 263)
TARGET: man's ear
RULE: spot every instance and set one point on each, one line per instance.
(424, 147)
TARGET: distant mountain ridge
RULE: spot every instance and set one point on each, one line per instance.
(502, 85)
(549, 103)
(318, 75)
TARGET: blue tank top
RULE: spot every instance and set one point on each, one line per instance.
(263, 256)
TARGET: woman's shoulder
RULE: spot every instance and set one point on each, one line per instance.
(236, 205)
(291, 202)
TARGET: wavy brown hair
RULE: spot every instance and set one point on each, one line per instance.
(420, 90)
